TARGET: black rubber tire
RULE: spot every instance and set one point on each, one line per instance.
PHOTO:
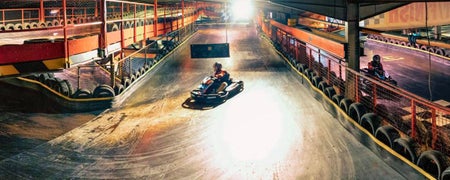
(316, 80)
(133, 78)
(126, 82)
(69, 88)
(330, 92)
(137, 74)
(424, 47)
(446, 174)
(440, 51)
(82, 94)
(142, 71)
(62, 87)
(387, 134)
(307, 71)
(57, 85)
(322, 85)
(118, 89)
(43, 77)
(406, 148)
(371, 122)
(147, 67)
(51, 82)
(302, 67)
(311, 74)
(356, 111)
(337, 98)
(344, 104)
(432, 161)
(103, 90)
(403, 43)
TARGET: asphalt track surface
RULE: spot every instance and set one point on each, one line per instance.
(274, 129)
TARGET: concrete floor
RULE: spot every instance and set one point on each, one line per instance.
(274, 129)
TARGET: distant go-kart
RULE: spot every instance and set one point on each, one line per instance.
(206, 92)
(387, 78)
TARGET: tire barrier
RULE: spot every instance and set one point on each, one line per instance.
(337, 98)
(371, 122)
(69, 88)
(344, 104)
(48, 23)
(133, 78)
(147, 66)
(446, 174)
(387, 134)
(310, 73)
(423, 47)
(406, 148)
(432, 161)
(42, 25)
(56, 22)
(26, 26)
(302, 68)
(43, 77)
(103, 90)
(403, 43)
(417, 46)
(115, 27)
(440, 51)
(431, 50)
(82, 94)
(2, 27)
(316, 80)
(330, 92)
(126, 82)
(51, 82)
(322, 85)
(356, 111)
(142, 71)
(118, 89)
(9, 27)
(137, 74)
(63, 87)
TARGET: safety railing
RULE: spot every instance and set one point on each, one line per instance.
(137, 62)
(425, 122)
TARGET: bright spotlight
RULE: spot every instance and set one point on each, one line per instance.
(242, 10)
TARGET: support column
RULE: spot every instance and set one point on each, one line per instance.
(135, 24)
(353, 48)
(155, 18)
(437, 32)
(103, 40)
(66, 41)
(182, 13)
(41, 12)
(145, 26)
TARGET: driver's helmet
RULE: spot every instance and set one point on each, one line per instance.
(217, 66)
(376, 58)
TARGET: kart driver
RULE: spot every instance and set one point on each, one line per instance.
(222, 76)
(375, 67)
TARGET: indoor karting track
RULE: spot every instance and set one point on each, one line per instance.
(274, 129)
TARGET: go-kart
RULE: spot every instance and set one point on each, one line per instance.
(206, 91)
(384, 77)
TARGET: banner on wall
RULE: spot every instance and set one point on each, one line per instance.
(411, 16)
